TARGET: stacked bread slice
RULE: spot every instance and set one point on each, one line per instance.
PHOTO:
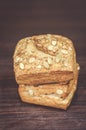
(46, 70)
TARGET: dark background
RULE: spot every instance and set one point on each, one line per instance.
(22, 18)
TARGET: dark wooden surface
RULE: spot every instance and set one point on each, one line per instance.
(22, 18)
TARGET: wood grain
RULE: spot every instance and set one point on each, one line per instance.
(19, 19)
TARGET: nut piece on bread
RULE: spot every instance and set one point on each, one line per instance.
(44, 59)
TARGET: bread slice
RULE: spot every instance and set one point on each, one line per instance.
(44, 59)
(53, 95)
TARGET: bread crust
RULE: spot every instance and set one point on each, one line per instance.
(43, 78)
(44, 59)
(46, 70)
(40, 97)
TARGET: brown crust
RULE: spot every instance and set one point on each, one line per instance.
(43, 78)
(46, 70)
(46, 66)
(60, 90)
(49, 99)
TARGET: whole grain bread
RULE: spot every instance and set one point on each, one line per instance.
(44, 59)
(53, 95)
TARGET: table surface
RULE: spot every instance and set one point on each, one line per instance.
(19, 19)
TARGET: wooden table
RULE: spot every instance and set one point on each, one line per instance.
(19, 19)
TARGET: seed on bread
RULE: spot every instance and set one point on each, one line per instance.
(17, 59)
(78, 68)
(30, 92)
(66, 62)
(38, 66)
(46, 65)
(31, 59)
(64, 51)
(49, 60)
(21, 65)
(54, 43)
(59, 91)
(50, 48)
(58, 58)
